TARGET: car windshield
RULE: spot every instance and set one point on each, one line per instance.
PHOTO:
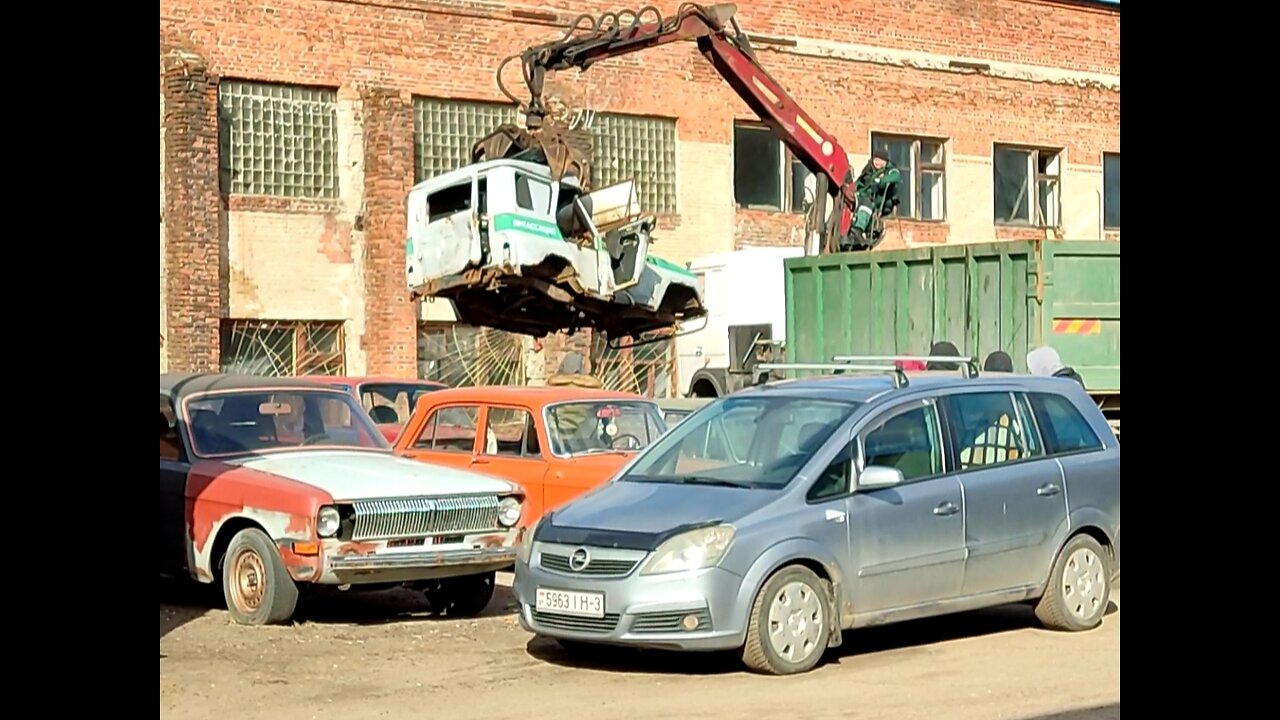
(750, 442)
(232, 423)
(600, 426)
(392, 403)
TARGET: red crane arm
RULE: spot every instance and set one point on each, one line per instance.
(608, 37)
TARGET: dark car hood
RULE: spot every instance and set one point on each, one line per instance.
(640, 515)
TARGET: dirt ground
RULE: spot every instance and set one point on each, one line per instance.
(382, 655)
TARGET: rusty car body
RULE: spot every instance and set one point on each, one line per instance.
(556, 442)
(388, 400)
(270, 486)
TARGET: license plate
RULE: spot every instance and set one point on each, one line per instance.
(565, 602)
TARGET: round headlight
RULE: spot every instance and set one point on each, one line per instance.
(328, 522)
(509, 512)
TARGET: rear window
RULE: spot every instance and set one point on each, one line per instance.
(1064, 429)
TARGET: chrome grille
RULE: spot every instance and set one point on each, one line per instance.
(413, 517)
(598, 568)
(669, 622)
(578, 624)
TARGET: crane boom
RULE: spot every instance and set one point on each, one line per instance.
(730, 53)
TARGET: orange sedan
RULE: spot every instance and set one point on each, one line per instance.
(558, 442)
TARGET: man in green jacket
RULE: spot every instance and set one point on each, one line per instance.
(877, 194)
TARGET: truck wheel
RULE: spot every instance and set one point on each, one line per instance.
(1079, 587)
(460, 596)
(255, 584)
(788, 628)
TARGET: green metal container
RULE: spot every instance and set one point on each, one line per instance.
(1010, 296)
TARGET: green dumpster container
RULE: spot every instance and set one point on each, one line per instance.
(1010, 296)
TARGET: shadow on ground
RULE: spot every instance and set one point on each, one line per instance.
(909, 636)
(1101, 712)
(182, 602)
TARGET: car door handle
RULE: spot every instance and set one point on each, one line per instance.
(835, 516)
(479, 461)
(1048, 490)
(946, 508)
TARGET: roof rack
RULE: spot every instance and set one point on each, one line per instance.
(968, 365)
(899, 377)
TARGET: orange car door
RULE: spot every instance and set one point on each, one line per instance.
(448, 437)
(510, 449)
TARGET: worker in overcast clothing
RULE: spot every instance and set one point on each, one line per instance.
(877, 191)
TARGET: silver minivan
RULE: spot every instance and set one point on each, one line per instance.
(774, 519)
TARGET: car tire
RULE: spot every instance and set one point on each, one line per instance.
(462, 596)
(1079, 587)
(255, 584)
(795, 598)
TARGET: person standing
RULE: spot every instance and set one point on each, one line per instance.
(1045, 361)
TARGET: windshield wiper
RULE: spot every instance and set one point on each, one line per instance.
(704, 480)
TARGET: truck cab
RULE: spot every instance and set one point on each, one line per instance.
(516, 250)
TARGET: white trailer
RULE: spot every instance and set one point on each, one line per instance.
(744, 295)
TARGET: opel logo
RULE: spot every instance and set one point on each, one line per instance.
(579, 560)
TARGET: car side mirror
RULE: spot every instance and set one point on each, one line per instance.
(875, 477)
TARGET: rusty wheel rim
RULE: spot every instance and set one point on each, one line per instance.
(248, 580)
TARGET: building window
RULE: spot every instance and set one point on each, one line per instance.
(625, 147)
(277, 140)
(281, 348)
(1027, 186)
(461, 355)
(1111, 191)
(444, 132)
(766, 176)
(921, 192)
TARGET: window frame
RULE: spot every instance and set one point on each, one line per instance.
(786, 170)
(531, 423)
(1034, 178)
(918, 169)
(427, 421)
(1106, 156)
(531, 180)
(878, 420)
(1099, 446)
(953, 452)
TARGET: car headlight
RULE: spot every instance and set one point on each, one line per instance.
(524, 550)
(509, 512)
(328, 522)
(693, 550)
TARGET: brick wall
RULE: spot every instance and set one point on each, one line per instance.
(1051, 77)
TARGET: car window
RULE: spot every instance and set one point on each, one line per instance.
(533, 194)
(508, 433)
(170, 445)
(906, 441)
(1035, 446)
(450, 429)
(392, 402)
(1065, 430)
(754, 442)
(834, 480)
(264, 420)
(988, 430)
(602, 426)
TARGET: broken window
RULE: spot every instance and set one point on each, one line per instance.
(921, 161)
(766, 176)
(283, 348)
(1027, 186)
(447, 201)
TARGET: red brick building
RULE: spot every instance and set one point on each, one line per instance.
(291, 130)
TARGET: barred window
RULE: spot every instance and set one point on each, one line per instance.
(278, 140)
(281, 348)
(445, 130)
(634, 146)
